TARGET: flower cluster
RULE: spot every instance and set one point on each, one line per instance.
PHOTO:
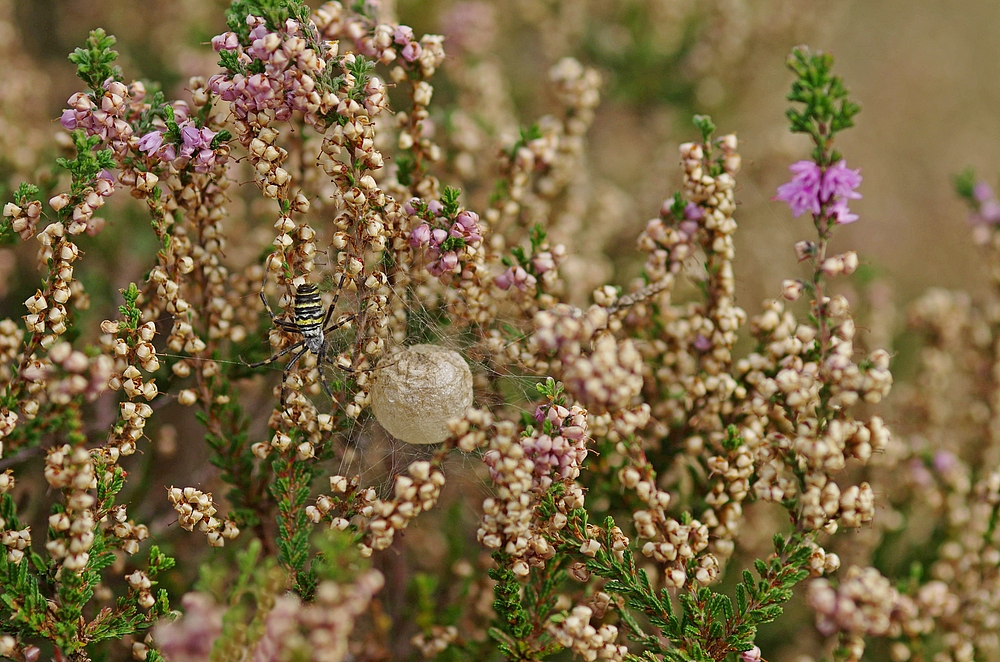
(293, 63)
(448, 243)
(195, 507)
(559, 447)
(819, 190)
(196, 147)
(413, 494)
(317, 630)
(104, 116)
(72, 531)
(590, 643)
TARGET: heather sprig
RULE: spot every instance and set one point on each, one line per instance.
(826, 109)
(93, 63)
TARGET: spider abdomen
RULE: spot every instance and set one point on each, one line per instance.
(308, 310)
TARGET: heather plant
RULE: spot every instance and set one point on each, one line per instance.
(413, 431)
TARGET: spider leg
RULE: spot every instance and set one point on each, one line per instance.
(336, 325)
(278, 356)
(280, 323)
(288, 369)
(333, 304)
(322, 375)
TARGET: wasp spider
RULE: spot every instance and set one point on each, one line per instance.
(312, 324)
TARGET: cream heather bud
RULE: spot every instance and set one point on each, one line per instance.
(850, 259)
(804, 250)
(791, 289)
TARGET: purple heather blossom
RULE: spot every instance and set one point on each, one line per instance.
(688, 229)
(68, 119)
(543, 262)
(840, 211)
(515, 276)
(151, 142)
(420, 235)
(982, 192)
(505, 280)
(411, 51)
(444, 264)
(702, 343)
(988, 209)
(812, 187)
(403, 35)
(190, 136)
(693, 212)
(945, 461)
(435, 207)
(563, 449)
(752, 655)
(227, 41)
(802, 193)
(840, 181)
(466, 226)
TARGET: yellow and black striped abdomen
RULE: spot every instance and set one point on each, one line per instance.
(308, 309)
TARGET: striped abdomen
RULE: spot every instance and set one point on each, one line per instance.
(308, 310)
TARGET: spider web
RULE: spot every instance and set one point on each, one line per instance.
(372, 453)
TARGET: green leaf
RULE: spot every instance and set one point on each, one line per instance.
(741, 598)
(93, 63)
(706, 126)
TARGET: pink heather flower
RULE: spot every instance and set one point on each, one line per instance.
(466, 226)
(410, 206)
(543, 262)
(151, 142)
(840, 181)
(982, 192)
(988, 212)
(562, 451)
(181, 111)
(411, 51)
(204, 161)
(688, 229)
(435, 207)
(812, 187)
(504, 281)
(802, 193)
(420, 235)
(840, 212)
(227, 41)
(945, 461)
(752, 655)
(68, 119)
(449, 260)
(191, 136)
(444, 264)
(693, 212)
(437, 237)
(403, 35)
(515, 276)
